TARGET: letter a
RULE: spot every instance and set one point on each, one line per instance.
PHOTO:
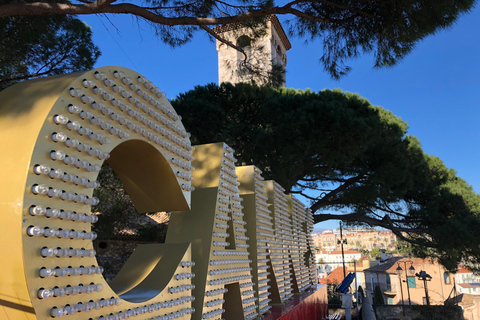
(216, 229)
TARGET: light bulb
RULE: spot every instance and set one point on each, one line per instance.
(55, 173)
(59, 137)
(57, 155)
(41, 169)
(74, 125)
(52, 192)
(88, 83)
(39, 189)
(57, 312)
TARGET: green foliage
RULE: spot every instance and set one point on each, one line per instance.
(115, 207)
(334, 297)
(404, 248)
(388, 29)
(153, 233)
(117, 212)
(375, 254)
(344, 154)
(43, 45)
(378, 296)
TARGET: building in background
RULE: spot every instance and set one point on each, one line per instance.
(395, 288)
(469, 288)
(266, 51)
(465, 275)
(358, 239)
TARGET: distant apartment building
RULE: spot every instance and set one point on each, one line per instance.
(464, 275)
(335, 257)
(469, 288)
(359, 239)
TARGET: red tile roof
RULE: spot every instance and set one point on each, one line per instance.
(464, 270)
(335, 277)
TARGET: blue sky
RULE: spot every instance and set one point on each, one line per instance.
(436, 89)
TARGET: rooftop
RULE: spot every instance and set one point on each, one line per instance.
(390, 265)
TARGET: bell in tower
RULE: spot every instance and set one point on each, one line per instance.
(264, 56)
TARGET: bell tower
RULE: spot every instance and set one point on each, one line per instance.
(266, 54)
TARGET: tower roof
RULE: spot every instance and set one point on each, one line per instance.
(275, 23)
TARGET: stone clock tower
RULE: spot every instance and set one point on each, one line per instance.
(266, 54)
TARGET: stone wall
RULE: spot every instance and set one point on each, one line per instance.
(419, 313)
(342, 312)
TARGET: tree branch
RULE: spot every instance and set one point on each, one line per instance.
(336, 5)
(228, 43)
(326, 199)
(105, 6)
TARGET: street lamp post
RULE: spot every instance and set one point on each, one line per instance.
(409, 272)
(423, 275)
(401, 291)
(342, 241)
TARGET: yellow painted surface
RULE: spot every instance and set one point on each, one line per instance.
(222, 262)
(152, 158)
(114, 114)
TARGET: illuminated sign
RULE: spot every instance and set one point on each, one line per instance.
(224, 256)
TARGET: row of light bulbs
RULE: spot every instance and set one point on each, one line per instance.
(228, 170)
(69, 271)
(249, 308)
(216, 292)
(241, 229)
(181, 288)
(36, 231)
(65, 177)
(213, 313)
(237, 261)
(265, 287)
(67, 253)
(61, 214)
(56, 312)
(214, 302)
(221, 234)
(42, 189)
(221, 216)
(228, 280)
(230, 253)
(68, 290)
(221, 243)
(230, 270)
(185, 264)
(185, 275)
(265, 309)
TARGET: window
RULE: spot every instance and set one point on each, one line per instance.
(411, 282)
(244, 41)
(446, 277)
(390, 300)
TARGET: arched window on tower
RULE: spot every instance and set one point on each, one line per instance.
(244, 41)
